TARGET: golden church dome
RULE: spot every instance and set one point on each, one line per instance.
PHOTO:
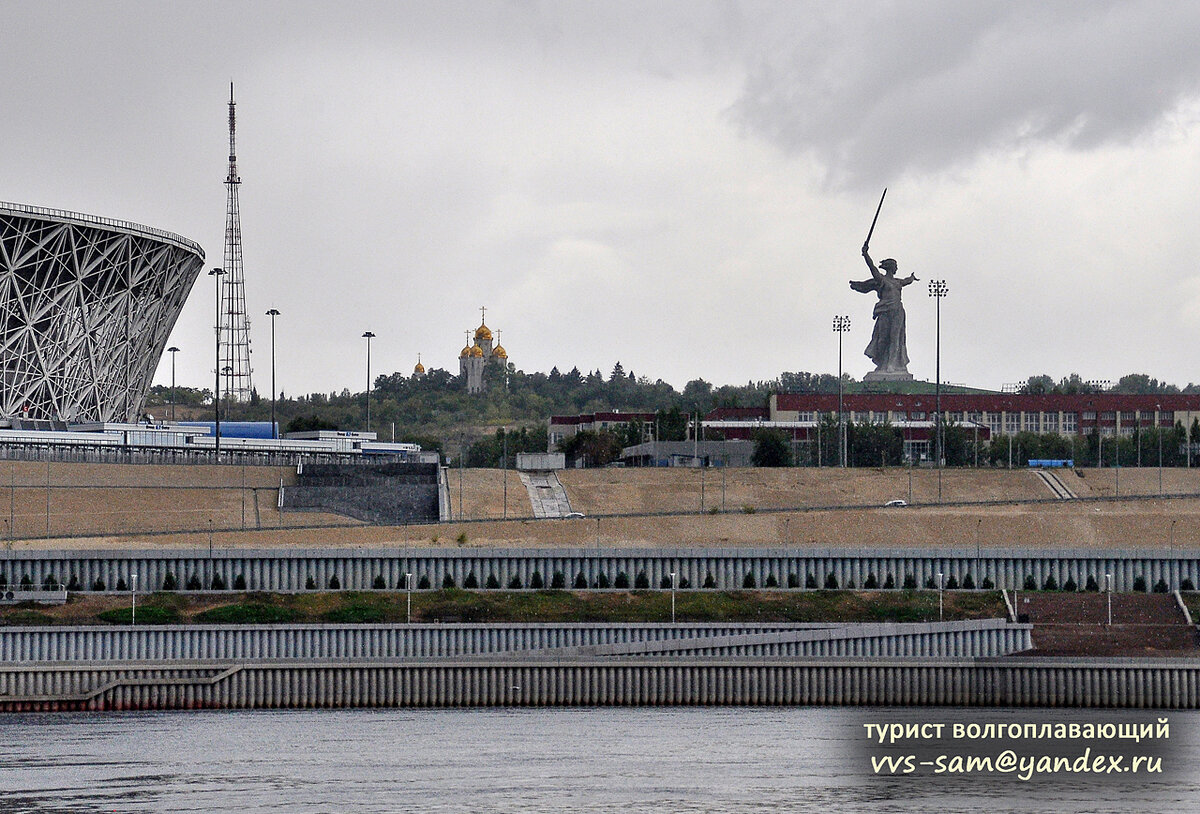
(482, 334)
(466, 352)
(419, 368)
(500, 352)
(476, 351)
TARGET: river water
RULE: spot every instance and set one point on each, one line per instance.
(537, 760)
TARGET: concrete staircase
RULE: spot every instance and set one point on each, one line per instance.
(546, 494)
(1076, 624)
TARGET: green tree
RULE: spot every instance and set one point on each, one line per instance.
(771, 448)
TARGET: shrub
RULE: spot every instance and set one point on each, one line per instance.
(3, 582)
(684, 582)
(146, 615)
(715, 510)
(50, 582)
(423, 584)
(1139, 584)
(122, 585)
(793, 580)
(461, 539)
(447, 581)
(378, 583)
(665, 582)
(747, 509)
(622, 580)
(470, 583)
(1030, 583)
(1187, 584)
(831, 582)
(748, 581)
(1070, 585)
(99, 585)
(952, 583)
(514, 583)
(931, 584)
(248, 613)
(969, 582)
(73, 584)
(850, 586)
(310, 584)
(1091, 585)
(169, 582)
(354, 613)
(492, 583)
(871, 583)
(889, 584)
(239, 582)
(709, 582)
(536, 581)
(580, 582)
(218, 582)
(910, 582)
(334, 583)
(987, 584)
(810, 582)
(641, 581)
(558, 581)
(771, 582)
(602, 580)
(1160, 587)
(1051, 584)
(193, 583)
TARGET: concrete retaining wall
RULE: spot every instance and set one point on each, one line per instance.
(1052, 683)
(356, 569)
(970, 639)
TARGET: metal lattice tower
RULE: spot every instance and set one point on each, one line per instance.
(234, 331)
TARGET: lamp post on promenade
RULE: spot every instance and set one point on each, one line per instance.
(841, 324)
(672, 597)
(274, 312)
(938, 289)
(216, 275)
(368, 336)
(173, 350)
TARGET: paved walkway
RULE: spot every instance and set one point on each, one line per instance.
(546, 494)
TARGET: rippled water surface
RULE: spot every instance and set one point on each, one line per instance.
(543, 760)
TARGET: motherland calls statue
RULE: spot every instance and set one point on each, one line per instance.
(888, 348)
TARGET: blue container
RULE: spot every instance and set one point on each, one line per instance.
(238, 429)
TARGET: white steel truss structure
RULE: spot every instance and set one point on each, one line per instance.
(86, 307)
(234, 328)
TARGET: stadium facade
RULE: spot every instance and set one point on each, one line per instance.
(87, 305)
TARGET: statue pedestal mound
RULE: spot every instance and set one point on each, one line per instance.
(883, 376)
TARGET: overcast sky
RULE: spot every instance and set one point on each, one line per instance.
(684, 187)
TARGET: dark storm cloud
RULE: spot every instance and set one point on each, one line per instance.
(872, 90)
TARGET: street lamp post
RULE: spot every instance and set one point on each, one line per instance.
(1108, 584)
(408, 591)
(133, 609)
(1158, 432)
(172, 350)
(938, 289)
(939, 596)
(841, 324)
(216, 275)
(274, 312)
(368, 336)
(672, 597)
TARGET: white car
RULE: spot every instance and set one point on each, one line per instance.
(573, 515)
(897, 502)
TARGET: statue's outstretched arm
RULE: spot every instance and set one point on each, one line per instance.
(870, 262)
(912, 278)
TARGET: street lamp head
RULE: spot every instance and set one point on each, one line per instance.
(216, 272)
(841, 323)
(273, 313)
(172, 349)
(938, 288)
(368, 335)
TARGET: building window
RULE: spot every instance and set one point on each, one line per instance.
(1012, 423)
(1050, 422)
(1127, 429)
(975, 416)
(995, 423)
(1108, 415)
(806, 415)
(1147, 416)
(1128, 416)
(1089, 415)
(1166, 418)
(1069, 423)
(1033, 422)
(918, 415)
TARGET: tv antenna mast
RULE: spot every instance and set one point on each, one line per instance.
(233, 332)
